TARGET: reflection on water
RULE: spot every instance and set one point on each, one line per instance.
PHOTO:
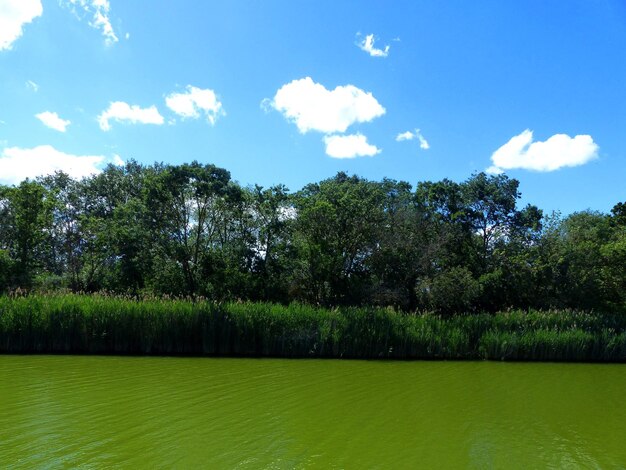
(94, 412)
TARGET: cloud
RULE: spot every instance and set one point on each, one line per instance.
(32, 85)
(408, 135)
(424, 145)
(53, 121)
(349, 146)
(367, 45)
(314, 108)
(117, 160)
(558, 151)
(194, 102)
(123, 112)
(267, 105)
(14, 14)
(17, 164)
(98, 11)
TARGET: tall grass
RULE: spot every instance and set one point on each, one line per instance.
(100, 324)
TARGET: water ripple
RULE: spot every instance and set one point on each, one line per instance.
(135, 412)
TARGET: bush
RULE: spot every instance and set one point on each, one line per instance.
(99, 324)
(452, 291)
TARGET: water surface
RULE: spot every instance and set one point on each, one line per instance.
(136, 412)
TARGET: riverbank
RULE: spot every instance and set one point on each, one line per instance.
(81, 324)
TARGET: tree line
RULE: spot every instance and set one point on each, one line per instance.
(190, 230)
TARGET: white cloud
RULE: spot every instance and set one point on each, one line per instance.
(195, 101)
(267, 105)
(424, 145)
(17, 164)
(98, 10)
(494, 170)
(123, 112)
(314, 108)
(367, 45)
(53, 121)
(408, 135)
(117, 160)
(558, 151)
(32, 85)
(349, 146)
(14, 14)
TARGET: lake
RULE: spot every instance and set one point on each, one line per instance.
(156, 412)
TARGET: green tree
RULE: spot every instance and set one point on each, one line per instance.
(492, 213)
(187, 209)
(450, 241)
(452, 291)
(6, 271)
(618, 214)
(26, 219)
(336, 231)
(274, 217)
(119, 242)
(583, 235)
(65, 237)
(403, 249)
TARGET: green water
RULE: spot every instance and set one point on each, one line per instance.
(121, 412)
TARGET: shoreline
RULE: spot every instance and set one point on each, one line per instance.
(312, 358)
(101, 325)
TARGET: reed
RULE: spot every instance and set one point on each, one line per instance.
(102, 324)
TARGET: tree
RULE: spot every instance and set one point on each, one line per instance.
(65, 237)
(452, 291)
(336, 230)
(492, 214)
(583, 235)
(618, 214)
(613, 271)
(274, 217)
(26, 219)
(186, 209)
(6, 271)
(403, 250)
(450, 237)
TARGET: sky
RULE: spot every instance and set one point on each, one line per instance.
(292, 92)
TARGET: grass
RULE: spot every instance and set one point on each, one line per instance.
(99, 324)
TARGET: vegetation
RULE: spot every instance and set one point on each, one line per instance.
(103, 324)
(338, 269)
(190, 231)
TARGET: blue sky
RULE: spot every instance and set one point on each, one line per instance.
(293, 91)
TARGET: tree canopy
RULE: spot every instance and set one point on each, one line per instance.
(190, 230)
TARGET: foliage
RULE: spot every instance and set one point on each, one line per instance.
(190, 230)
(103, 324)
